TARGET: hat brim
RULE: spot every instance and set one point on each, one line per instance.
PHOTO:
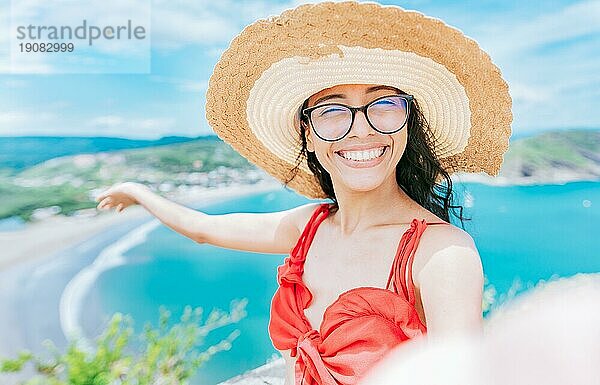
(270, 69)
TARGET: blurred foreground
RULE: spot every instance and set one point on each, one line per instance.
(548, 335)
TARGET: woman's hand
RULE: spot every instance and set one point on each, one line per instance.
(119, 196)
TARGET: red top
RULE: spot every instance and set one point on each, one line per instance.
(358, 329)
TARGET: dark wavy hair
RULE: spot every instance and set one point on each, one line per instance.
(416, 172)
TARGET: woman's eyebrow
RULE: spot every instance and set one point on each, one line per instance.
(327, 97)
(377, 88)
(369, 90)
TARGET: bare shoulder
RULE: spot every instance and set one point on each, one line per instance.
(445, 248)
(301, 215)
(296, 218)
(450, 283)
(447, 234)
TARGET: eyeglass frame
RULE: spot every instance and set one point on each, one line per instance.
(307, 112)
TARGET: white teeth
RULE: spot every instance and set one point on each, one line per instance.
(362, 155)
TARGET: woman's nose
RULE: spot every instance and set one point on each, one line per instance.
(361, 127)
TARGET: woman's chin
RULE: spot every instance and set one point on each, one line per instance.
(361, 179)
(364, 184)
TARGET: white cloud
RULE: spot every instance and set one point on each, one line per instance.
(32, 122)
(116, 125)
(184, 85)
(153, 123)
(523, 93)
(548, 60)
(11, 118)
(34, 64)
(172, 24)
(25, 117)
(206, 23)
(571, 22)
(124, 54)
(191, 86)
(15, 83)
(16, 122)
(107, 121)
(551, 63)
(173, 27)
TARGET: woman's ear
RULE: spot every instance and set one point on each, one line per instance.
(307, 134)
(300, 124)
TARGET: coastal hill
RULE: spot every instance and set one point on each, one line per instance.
(20, 152)
(552, 157)
(67, 184)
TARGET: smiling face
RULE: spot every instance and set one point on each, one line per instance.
(347, 160)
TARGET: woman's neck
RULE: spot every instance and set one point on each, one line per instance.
(360, 210)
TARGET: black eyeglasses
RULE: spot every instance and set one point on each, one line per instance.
(333, 121)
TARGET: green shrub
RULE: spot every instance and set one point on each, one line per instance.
(165, 355)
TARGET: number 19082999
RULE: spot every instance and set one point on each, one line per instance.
(46, 47)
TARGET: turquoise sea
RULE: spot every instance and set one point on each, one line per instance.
(523, 233)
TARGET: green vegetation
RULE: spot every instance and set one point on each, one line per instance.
(21, 201)
(166, 355)
(69, 183)
(20, 152)
(489, 296)
(182, 157)
(575, 149)
(492, 302)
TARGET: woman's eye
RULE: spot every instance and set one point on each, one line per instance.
(331, 110)
(384, 102)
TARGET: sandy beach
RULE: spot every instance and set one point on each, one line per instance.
(55, 233)
(59, 247)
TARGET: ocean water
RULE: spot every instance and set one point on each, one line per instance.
(523, 234)
(11, 224)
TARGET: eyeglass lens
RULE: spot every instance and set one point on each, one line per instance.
(386, 115)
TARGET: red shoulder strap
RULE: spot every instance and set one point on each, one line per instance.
(401, 272)
(309, 230)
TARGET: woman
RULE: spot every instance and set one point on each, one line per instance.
(370, 107)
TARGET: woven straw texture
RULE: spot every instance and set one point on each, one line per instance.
(314, 31)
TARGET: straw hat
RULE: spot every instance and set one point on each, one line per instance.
(273, 65)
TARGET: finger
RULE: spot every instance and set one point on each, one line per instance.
(120, 207)
(102, 196)
(104, 202)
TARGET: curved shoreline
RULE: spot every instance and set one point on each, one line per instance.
(68, 253)
(78, 287)
(112, 256)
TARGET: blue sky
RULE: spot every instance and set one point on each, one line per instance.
(548, 51)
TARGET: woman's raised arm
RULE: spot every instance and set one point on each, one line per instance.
(275, 232)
